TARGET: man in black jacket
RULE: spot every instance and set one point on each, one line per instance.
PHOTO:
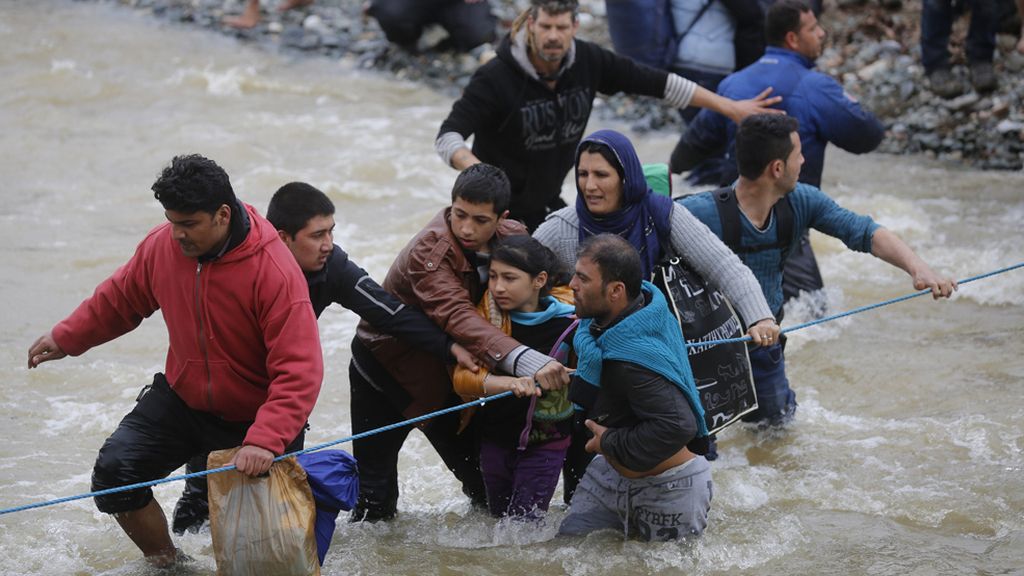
(304, 219)
(528, 107)
(642, 406)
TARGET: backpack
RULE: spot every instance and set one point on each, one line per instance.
(729, 217)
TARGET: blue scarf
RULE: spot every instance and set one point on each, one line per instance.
(553, 308)
(649, 337)
(645, 217)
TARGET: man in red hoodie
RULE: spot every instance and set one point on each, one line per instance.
(244, 365)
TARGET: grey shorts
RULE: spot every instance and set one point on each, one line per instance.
(671, 505)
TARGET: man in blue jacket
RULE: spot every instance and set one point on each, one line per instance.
(751, 217)
(825, 112)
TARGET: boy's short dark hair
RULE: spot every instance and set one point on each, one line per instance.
(762, 139)
(617, 260)
(192, 183)
(295, 204)
(782, 18)
(483, 184)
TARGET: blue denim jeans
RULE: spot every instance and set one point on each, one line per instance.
(776, 401)
(937, 21)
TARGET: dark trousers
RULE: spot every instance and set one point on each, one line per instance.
(469, 24)
(937, 22)
(159, 435)
(377, 454)
(776, 401)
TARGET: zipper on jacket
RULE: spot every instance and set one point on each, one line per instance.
(202, 338)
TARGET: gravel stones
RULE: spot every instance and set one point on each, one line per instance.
(873, 51)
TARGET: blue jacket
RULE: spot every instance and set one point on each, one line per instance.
(825, 112)
(812, 208)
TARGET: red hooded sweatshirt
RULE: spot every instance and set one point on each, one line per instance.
(244, 344)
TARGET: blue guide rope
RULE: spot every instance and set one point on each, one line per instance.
(479, 402)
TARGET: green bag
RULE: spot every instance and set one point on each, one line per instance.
(658, 178)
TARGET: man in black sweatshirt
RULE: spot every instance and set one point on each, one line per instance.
(528, 107)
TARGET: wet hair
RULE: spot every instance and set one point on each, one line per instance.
(606, 152)
(529, 255)
(483, 184)
(554, 8)
(782, 18)
(295, 204)
(762, 139)
(617, 260)
(192, 183)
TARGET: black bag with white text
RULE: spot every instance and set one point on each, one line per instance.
(722, 372)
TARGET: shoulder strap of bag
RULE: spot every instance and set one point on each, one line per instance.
(729, 218)
(704, 8)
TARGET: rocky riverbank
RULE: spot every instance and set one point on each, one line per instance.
(873, 51)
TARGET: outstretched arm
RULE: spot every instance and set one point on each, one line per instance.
(889, 247)
(736, 110)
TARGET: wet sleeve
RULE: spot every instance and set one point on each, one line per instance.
(116, 307)
(616, 73)
(475, 110)
(841, 119)
(560, 234)
(824, 215)
(360, 293)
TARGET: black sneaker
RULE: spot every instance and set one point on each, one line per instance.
(189, 514)
(369, 512)
(983, 77)
(945, 84)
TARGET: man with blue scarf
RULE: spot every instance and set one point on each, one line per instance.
(633, 378)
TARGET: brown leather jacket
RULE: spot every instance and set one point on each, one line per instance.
(433, 274)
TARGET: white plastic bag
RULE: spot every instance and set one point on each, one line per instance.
(262, 526)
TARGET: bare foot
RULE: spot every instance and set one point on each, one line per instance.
(249, 18)
(291, 4)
